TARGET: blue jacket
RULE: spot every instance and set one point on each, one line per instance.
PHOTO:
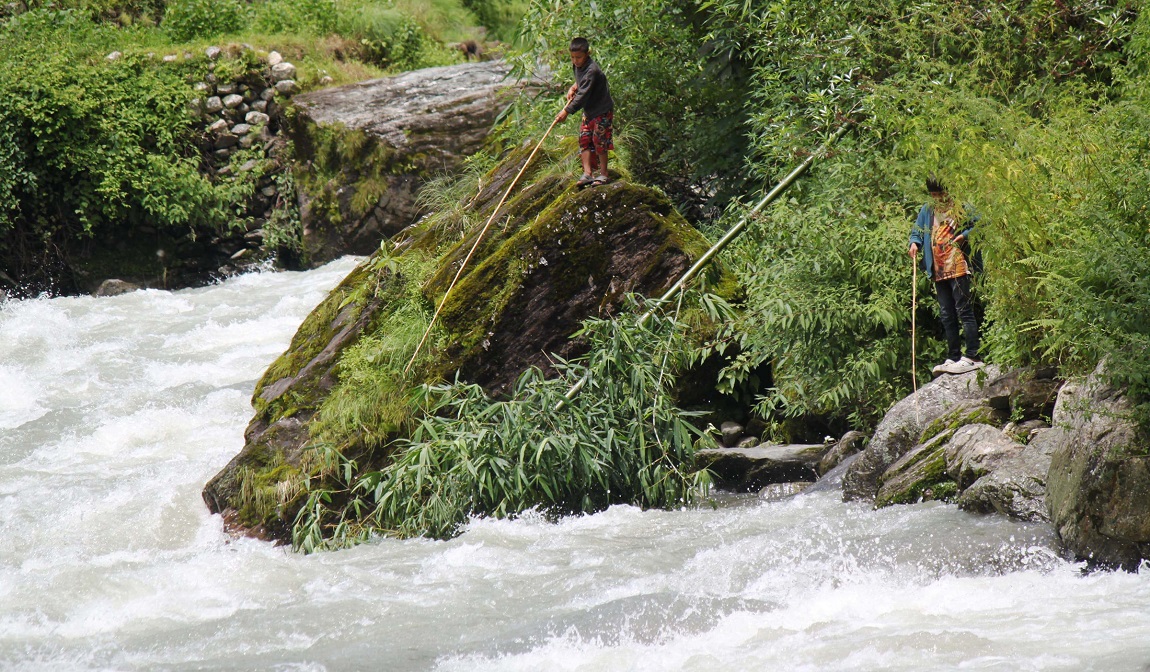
(920, 234)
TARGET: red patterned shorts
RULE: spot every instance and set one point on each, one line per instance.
(595, 134)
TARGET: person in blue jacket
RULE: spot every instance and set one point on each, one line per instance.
(942, 233)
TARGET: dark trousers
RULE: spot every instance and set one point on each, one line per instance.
(954, 307)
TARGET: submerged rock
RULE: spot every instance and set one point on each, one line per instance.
(748, 469)
(1098, 487)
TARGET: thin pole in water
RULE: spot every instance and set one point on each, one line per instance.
(730, 235)
(474, 247)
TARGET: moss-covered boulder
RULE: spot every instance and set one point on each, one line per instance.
(365, 149)
(555, 256)
(918, 476)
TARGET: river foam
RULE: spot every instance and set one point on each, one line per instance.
(115, 411)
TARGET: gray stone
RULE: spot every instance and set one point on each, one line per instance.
(919, 475)
(223, 154)
(213, 105)
(286, 87)
(212, 52)
(748, 469)
(114, 287)
(849, 444)
(248, 141)
(114, 56)
(1017, 485)
(274, 58)
(244, 252)
(833, 479)
(257, 118)
(902, 427)
(202, 87)
(226, 141)
(283, 71)
(233, 100)
(226, 89)
(976, 450)
(249, 165)
(747, 442)
(428, 119)
(241, 129)
(779, 491)
(260, 106)
(218, 126)
(732, 432)
(171, 58)
(325, 80)
(268, 93)
(269, 190)
(1098, 486)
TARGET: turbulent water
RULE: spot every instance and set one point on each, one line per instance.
(115, 411)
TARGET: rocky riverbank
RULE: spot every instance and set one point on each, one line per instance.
(1021, 443)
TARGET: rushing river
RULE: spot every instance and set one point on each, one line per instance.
(114, 412)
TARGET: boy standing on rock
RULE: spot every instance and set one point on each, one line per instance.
(936, 232)
(591, 94)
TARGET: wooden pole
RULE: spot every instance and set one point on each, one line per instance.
(474, 247)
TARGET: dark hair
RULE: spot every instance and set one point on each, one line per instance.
(580, 44)
(935, 185)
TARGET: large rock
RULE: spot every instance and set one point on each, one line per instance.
(370, 146)
(561, 255)
(976, 450)
(747, 469)
(1098, 487)
(904, 424)
(918, 476)
(1017, 485)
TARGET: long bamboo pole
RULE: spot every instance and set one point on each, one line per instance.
(730, 235)
(474, 247)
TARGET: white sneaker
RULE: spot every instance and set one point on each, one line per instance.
(964, 365)
(944, 367)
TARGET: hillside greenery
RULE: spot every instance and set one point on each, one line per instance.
(93, 148)
(1032, 112)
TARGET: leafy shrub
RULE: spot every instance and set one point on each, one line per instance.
(621, 440)
(306, 17)
(186, 20)
(389, 38)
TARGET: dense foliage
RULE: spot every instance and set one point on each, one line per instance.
(1030, 111)
(620, 441)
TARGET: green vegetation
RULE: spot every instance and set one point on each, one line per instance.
(620, 441)
(1032, 112)
(94, 149)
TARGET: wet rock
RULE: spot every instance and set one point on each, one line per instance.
(851, 443)
(732, 432)
(1017, 485)
(779, 491)
(976, 450)
(902, 428)
(629, 238)
(748, 469)
(919, 475)
(115, 287)
(1098, 486)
